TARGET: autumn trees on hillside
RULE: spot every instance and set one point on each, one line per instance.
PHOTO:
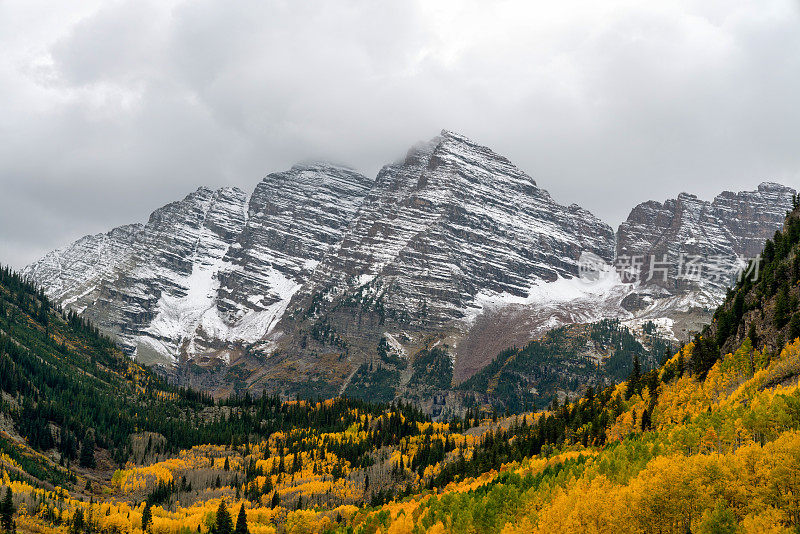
(7, 511)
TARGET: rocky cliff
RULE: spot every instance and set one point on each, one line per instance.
(688, 251)
(327, 282)
(450, 225)
(208, 275)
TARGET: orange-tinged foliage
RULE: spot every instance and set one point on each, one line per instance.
(726, 447)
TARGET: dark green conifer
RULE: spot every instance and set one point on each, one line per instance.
(241, 522)
(781, 314)
(224, 523)
(7, 511)
(794, 327)
(87, 451)
(147, 517)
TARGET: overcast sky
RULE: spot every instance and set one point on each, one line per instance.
(109, 110)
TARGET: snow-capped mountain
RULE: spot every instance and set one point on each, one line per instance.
(146, 283)
(453, 246)
(72, 275)
(452, 223)
(207, 274)
(689, 250)
(294, 219)
(455, 220)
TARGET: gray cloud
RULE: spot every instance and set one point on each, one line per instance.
(114, 109)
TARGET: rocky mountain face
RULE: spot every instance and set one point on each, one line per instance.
(685, 253)
(206, 275)
(146, 283)
(450, 225)
(71, 275)
(294, 219)
(453, 220)
(327, 282)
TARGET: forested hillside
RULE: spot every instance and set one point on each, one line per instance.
(709, 441)
(565, 361)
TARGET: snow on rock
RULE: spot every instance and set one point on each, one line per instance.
(153, 289)
(453, 241)
(395, 345)
(723, 233)
(454, 220)
(549, 305)
(70, 273)
(563, 291)
(295, 218)
(665, 327)
(209, 272)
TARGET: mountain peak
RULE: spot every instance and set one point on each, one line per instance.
(429, 247)
(774, 187)
(455, 136)
(316, 175)
(732, 226)
(321, 165)
(205, 191)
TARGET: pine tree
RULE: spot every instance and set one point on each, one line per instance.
(7, 511)
(77, 522)
(704, 355)
(147, 516)
(753, 334)
(646, 420)
(782, 307)
(276, 500)
(794, 326)
(224, 524)
(87, 451)
(241, 522)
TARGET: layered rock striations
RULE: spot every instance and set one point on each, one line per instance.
(325, 281)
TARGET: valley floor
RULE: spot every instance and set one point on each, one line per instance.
(721, 454)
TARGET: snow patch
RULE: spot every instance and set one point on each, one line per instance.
(253, 325)
(664, 326)
(606, 288)
(394, 344)
(185, 318)
(66, 302)
(365, 279)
